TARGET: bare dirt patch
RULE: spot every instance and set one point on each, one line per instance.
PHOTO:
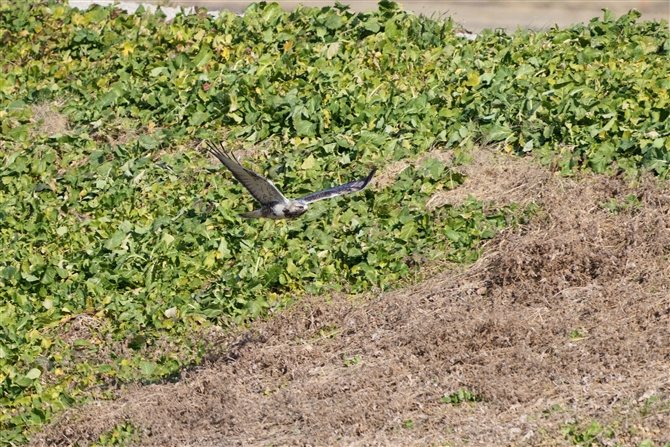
(52, 121)
(562, 325)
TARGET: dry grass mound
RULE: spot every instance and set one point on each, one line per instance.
(52, 122)
(561, 328)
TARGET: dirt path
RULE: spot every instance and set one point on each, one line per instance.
(562, 325)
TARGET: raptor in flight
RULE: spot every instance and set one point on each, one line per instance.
(273, 203)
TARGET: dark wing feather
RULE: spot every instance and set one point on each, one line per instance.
(262, 189)
(347, 188)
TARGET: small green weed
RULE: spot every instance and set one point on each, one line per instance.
(655, 404)
(350, 360)
(462, 395)
(121, 435)
(586, 436)
(576, 334)
(553, 409)
(631, 204)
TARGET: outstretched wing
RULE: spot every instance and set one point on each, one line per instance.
(262, 189)
(347, 188)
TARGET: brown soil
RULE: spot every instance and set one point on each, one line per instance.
(560, 324)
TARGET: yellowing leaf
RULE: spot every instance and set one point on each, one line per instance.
(77, 19)
(199, 35)
(127, 48)
(308, 163)
(290, 266)
(210, 260)
(332, 50)
(473, 80)
(168, 238)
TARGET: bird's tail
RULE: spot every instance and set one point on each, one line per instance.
(252, 214)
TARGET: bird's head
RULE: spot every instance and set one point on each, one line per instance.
(296, 208)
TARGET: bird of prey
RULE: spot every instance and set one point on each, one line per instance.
(273, 203)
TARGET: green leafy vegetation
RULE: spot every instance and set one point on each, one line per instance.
(576, 335)
(586, 436)
(121, 243)
(350, 360)
(123, 434)
(594, 434)
(631, 204)
(655, 405)
(462, 395)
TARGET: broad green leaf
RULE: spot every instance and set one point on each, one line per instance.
(497, 132)
(305, 128)
(372, 25)
(334, 21)
(408, 230)
(158, 71)
(148, 142)
(29, 277)
(115, 241)
(167, 238)
(203, 57)
(391, 29)
(198, 118)
(308, 163)
(147, 368)
(34, 373)
(137, 342)
(96, 15)
(453, 235)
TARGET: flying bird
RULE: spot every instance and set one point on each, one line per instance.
(273, 203)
